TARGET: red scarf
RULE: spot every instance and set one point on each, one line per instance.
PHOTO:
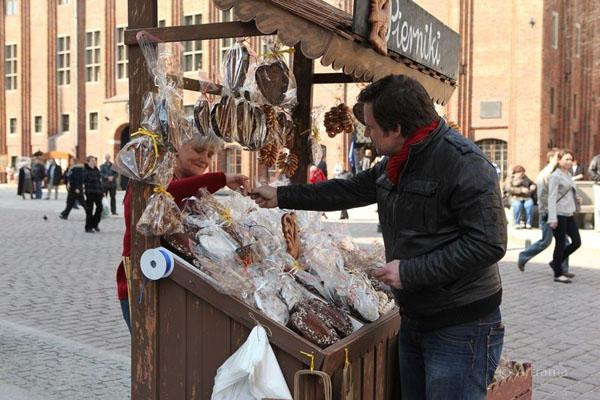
(396, 163)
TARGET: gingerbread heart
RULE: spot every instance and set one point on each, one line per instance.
(273, 81)
(285, 131)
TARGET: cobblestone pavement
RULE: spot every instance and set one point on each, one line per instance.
(62, 337)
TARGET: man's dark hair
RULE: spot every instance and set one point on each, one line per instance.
(399, 100)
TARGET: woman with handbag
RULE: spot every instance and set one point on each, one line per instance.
(562, 205)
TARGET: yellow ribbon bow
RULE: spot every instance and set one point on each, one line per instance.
(161, 189)
(274, 53)
(155, 137)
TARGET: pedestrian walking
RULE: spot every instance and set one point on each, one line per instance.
(109, 182)
(38, 174)
(536, 248)
(576, 170)
(594, 173)
(25, 184)
(193, 158)
(54, 174)
(75, 177)
(520, 189)
(562, 204)
(444, 230)
(93, 195)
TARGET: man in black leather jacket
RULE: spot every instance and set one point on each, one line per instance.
(444, 230)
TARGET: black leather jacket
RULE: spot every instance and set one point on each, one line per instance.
(444, 221)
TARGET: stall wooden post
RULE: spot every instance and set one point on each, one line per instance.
(144, 349)
(303, 72)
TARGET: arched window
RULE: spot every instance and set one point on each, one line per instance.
(496, 151)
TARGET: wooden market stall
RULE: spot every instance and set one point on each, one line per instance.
(182, 329)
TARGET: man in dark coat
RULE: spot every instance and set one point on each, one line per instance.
(38, 174)
(93, 195)
(25, 182)
(54, 175)
(109, 182)
(444, 230)
(75, 177)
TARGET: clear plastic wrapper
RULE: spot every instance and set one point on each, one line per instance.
(215, 244)
(202, 115)
(139, 158)
(161, 215)
(270, 81)
(163, 63)
(223, 118)
(236, 63)
(228, 277)
(251, 125)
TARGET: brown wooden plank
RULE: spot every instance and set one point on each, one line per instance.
(368, 382)
(144, 352)
(357, 376)
(289, 365)
(393, 371)
(172, 338)
(239, 334)
(303, 71)
(333, 78)
(215, 336)
(336, 384)
(218, 30)
(241, 313)
(380, 370)
(194, 347)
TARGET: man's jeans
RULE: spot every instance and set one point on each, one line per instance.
(597, 207)
(541, 245)
(456, 362)
(517, 208)
(37, 184)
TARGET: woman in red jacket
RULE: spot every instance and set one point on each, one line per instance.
(192, 161)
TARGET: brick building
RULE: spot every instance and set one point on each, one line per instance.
(529, 77)
(65, 83)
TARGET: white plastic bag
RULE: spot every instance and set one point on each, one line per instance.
(105, 209)
(251, 373)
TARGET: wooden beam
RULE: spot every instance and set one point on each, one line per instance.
(144, 315)
(303, 71)
(339, 77)
(218, 30)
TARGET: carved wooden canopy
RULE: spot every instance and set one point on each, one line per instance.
(325, 31)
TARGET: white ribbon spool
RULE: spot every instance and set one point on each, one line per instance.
(157, 263)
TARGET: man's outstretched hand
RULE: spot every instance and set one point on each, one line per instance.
(265, 196)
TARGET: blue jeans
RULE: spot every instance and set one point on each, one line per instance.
(456, 362)
(125, 311)
(518, 206)
(541, 245)
(37, 184)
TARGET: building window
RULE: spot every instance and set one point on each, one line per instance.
(554, 37)
(496, 151)
(93, 121)
(490, 109)
(122, 55)
(11, 7)
(577, 40)
(189, 110)
(575, 106)
(234, 161)
(63, 60)
(12, 125)
(64, 123)
(227, 43)
(10, 66)
(63, 2)
(92, 56)
(37, 124)
(192, 49)
(552, 101)
(162, 23)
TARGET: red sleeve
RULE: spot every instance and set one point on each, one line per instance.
(186, 187)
